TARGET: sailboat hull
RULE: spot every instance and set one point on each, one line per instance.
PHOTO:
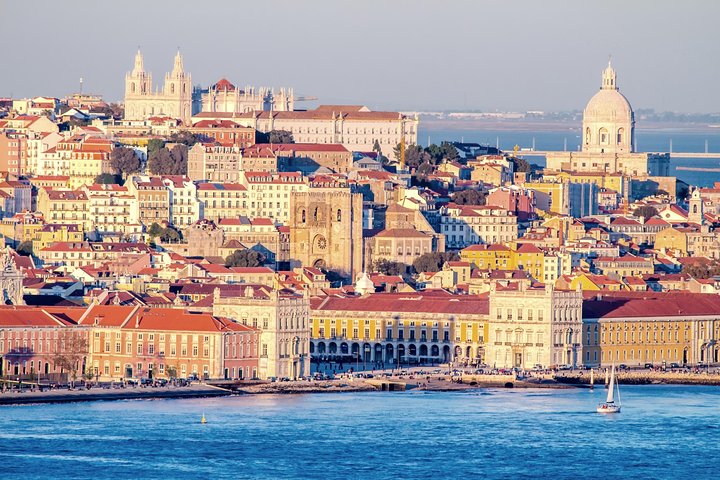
(608, 408)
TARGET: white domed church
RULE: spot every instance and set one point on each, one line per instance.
(608, 138)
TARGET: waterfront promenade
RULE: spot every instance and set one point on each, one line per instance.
(417, 378)
(63, 395)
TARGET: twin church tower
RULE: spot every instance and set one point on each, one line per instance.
(174, 100)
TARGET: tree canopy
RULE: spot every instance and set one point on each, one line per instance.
(416, 155)
(108, 179)
(521, 165)
(154, 230)
(702, 270)
(125, 161)
(25, 248)
(169, 161)
(434, 261)
(169, 235)
(646, 212)
(186, 138)
(245, 258)
(75, 348)
(469, 197)
(280, 136)
(388, 267)
(155, 144)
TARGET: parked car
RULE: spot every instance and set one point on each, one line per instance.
(649, 365)
(622, 366)
(674, 365)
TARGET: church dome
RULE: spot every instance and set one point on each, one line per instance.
(364, 285)
(608, 119)
(608, 105)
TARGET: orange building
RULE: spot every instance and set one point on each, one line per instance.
(142, 342)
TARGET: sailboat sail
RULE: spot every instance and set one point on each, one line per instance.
(592, 377)
(611, 388)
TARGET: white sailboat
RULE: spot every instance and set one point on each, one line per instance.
(609, 405)
(592, 378)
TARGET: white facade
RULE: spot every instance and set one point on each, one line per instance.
(534, 326)
(174, 100)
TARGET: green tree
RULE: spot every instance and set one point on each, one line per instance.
(646, 212)
(125, 161)
(73, 346)
(170, 235)
(186, 138)
(169, 161)
(469, 197)
(376, 147)
(682, 191)
(25, 248)
(521, 165)
(702, 270)
(154, 231)
(414, 155)
(245, 258)
(280, 136)
(388, 267)
(109, 179)
(434, 261)
(448, 151)
(155, 144)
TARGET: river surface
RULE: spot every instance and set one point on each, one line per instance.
(663, 432)
(659, 140)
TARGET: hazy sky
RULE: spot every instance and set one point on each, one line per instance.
(387, 54)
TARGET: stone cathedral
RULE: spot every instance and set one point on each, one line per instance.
(326, 230)
(174, 100)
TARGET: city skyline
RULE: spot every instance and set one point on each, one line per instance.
(446, 53)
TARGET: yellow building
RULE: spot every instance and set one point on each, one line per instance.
(530, 258)
(611, 181)
(398, 329)
(672, 238)
(552, 197)
(494, 256)
(588, 282)
(526, 256)
(21, 227)
(658, 328)
(69, 207)
(52, 233)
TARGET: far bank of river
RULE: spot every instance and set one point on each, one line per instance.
(431, 383)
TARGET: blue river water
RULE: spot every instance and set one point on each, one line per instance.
(662, 432)
(658, 140)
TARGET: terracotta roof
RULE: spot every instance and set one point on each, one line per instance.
(649, 304)
(411, 302)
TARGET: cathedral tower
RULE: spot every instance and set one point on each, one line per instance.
(175, 99)
(326, 230)
(695, 208)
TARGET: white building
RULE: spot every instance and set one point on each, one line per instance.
(531, 326)
(608, 143)
(174, 100)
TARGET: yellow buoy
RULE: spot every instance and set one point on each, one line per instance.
(202, 420)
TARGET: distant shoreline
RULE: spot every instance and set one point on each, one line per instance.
(103, 394)
(520, 125)
(421, 383)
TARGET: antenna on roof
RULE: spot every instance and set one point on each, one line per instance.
(81, 85)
